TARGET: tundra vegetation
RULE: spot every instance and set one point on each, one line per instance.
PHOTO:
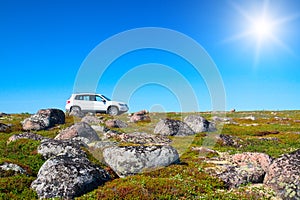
(271, 132)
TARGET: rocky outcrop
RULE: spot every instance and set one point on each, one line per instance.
(242, 168)
(43, 119)
(130, 160)
(31, 136)
(49, 148)
(284, 176)
(199, 124)
(5, 128)
(115, 123)
(171, 127)
(66, 177)
(141, 116)
(80, 131)
(91, 120)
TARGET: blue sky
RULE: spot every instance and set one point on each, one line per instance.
(44, 43)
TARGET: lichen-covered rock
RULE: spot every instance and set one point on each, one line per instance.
(115, 123)
(284, 176)
(68, 177)
(12, 167)
(80, 131)
(171, 127)
(5, 128)
(43, 119)
(235, 176)
(199, 124)
(252, 158)
(243, 168)
(141, 116)
(101, 129)
(103, 144)
(31, 136)
(228, 140)
(91, 120)
(49, 148)
(130, 160)
(144, 138)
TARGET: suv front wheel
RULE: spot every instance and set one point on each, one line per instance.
(113, 110)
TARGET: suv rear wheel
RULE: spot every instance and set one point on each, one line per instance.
(113, 110)
(75, 109)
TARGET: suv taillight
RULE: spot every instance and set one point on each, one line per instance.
(68, 101)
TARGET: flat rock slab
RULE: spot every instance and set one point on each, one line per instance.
(31, 136)
(130, 160)
(49, 148)
(144, 138)
(91, 120)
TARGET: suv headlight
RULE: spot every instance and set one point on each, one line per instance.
(122, 104)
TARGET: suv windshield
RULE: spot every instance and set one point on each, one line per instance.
(106, 98)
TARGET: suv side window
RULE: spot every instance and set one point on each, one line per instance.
(83, 97)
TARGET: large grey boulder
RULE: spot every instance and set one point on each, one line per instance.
(49, 148)
(171, 127)
(67, 177)
(130, 160)
(284, 176)
(77, 113)
(80, 131)
(199, 124)
(5, 128)
(43, 119)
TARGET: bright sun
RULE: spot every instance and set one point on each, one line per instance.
(262, 28)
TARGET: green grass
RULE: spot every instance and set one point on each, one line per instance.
(187, 180)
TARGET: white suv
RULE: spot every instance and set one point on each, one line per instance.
(91, 102)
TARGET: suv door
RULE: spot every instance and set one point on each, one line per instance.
(99, 103)
(83, 101)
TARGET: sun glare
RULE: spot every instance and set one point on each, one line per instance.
(262, 28)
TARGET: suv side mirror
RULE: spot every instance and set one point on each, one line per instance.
(104, 101)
